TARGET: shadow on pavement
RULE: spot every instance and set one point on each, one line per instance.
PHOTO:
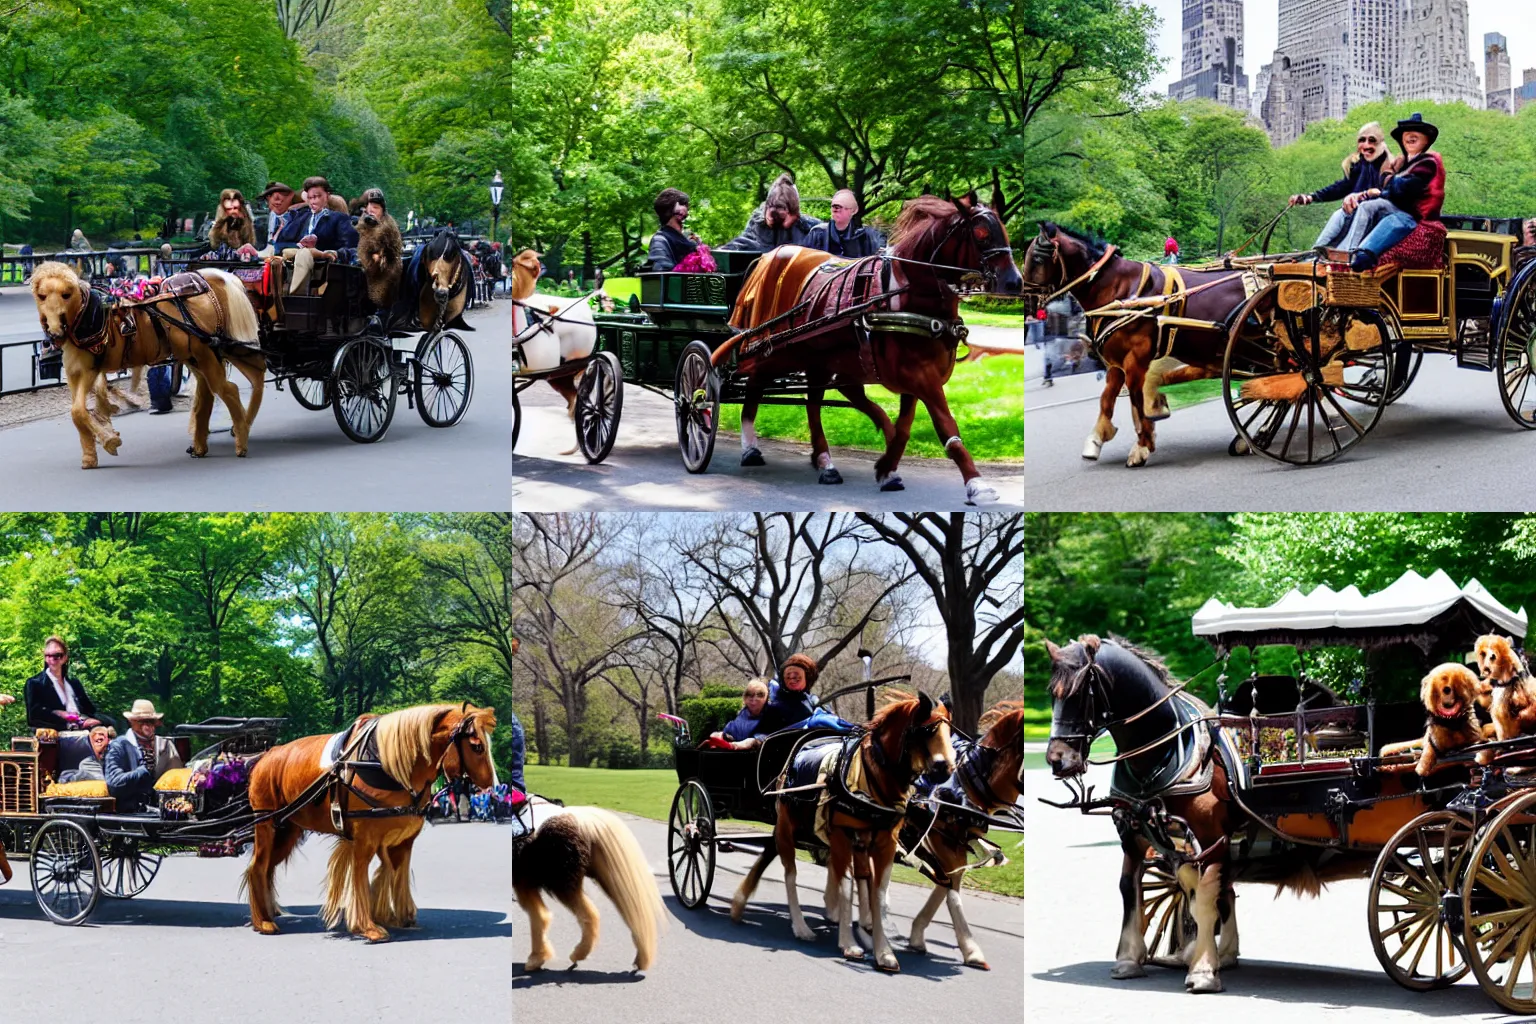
(570, 976)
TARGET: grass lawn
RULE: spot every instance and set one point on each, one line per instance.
(1192, 393)
(983, 318)
(649, 794)
(621, 288)
(987, 398)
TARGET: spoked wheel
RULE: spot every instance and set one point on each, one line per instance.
(312, 393)
(599, 402)
(1516, 361)
(363, 389)
(1417, 879)
(517, 415)
(1305, 383)
(1166, 923)
(445, 379)
(697, 400)
(691, 844)
(1498, 900)
(126, 869)
(66, 871)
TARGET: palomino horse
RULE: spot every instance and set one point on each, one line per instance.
(1094, 273)
(211, 320)
(868, 780)
(988, 778)
(1110, 685)
(552, 330)
(374, 808)
(567, 846)
(441, 278)
(889, 320)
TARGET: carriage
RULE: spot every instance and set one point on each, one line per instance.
(1318, 351)
(1453, 886)
(80, 848)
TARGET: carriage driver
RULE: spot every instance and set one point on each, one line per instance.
(138, 757)
(320, 233)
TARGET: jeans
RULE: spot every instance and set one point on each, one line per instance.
(1377, 226)
(160, 388)
(1333, 230)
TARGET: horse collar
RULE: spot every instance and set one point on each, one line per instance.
(90, 326)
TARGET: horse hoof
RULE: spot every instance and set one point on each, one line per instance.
(853, 953)
(893, 484)
(1159, 410)
(1205, 981)
(980, 965)
(830, 475)
(1127, 969)
(752, 457)
(87, 463)
(1138, 457)
(112, 445)
(267, 928)
(890, 965)
(532, 966)
(376, 935)
(1091, 449)
(803, 933)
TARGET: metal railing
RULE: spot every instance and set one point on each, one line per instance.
(16, 270)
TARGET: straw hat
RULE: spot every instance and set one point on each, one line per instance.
(143, 710)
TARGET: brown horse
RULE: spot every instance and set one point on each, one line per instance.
(94, 343)
(443, 286)
(908, 737)
(412, 746)
(937, 248)
(988, 778)
(1095, 274)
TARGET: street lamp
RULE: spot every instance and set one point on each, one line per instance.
(496, 188)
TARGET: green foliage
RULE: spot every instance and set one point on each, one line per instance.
(709, 714)
(731, 690)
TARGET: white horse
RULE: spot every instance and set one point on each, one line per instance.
(551, 329)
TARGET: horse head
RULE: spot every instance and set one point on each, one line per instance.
(1078, 705)
(914, 732)
(468, 750)
(525, 274)
(989, 246)
(1003, 747)
(444, 261)
(60, 296)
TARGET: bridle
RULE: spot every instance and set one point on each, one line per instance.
(986, 275)
(1034, 253)
(462, 733)
(1095, 679)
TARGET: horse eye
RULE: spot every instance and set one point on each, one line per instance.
(66, 293)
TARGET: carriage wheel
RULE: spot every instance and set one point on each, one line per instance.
(1303, 386)
(599, 402)
(1166, 923)
(126, 869)
(1517, 353)
(313, 393)
(445, 379)
(363, 390)
(1498, 901)
(66, 871)
(1406, 360)
(691, 844)
(517, 415)
(697, 399)
(1418, 871)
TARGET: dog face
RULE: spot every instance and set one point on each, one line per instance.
(1496, 658)
(1449, 690)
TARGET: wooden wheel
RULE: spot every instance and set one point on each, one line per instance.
(696, 397)
(1419, 869)
(599, 403)
(1166, 923)
(1305, 383)
(1516, 358)
(1498, 903)
(691, 844)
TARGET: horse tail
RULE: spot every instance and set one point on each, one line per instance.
(620, 868)
(241, 323)
(340, 892)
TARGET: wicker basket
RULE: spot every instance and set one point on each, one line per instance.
(1351, 289)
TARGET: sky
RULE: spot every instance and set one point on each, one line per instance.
(1516, 19)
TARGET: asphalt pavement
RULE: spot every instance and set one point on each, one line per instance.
(1300, 960)
(709, 969)
(187, 942)
(1447, 445)
(299, 460)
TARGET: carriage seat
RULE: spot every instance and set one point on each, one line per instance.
(774, 285)
(1423, 249)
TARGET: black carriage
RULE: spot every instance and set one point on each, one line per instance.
(80, 848)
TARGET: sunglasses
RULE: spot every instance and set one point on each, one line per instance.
(54, 657)
(1367, 138)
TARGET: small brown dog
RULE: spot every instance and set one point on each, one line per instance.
(1450, 695)
(1514, 691)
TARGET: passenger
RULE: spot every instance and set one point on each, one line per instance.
(139, 757)
(232, 227)
(669, 246)
(319, 234)
(839, 237)
(280, 199)
(54, 699)
(776, 222)
(92, 769)
(1415, 192)
(791, 702)
(741, 732)
(1363, 171)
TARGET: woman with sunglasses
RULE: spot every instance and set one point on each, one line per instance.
(1362, 172)
(55, 699)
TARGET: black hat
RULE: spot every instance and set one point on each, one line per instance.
(373, 195)
(1415, 123)
(275, 186)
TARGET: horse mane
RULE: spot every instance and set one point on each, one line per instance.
(917, 222)
(1009, 714)
(442, 243)
(405, 738)
(1146, 655)
(1093, 243)
(1066, 681)
(53, 268)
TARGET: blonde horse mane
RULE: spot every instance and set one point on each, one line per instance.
(53, 268)
(405, 738)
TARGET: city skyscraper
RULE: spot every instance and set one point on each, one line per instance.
(1496, 80)
(1212, 57)
(1435, 63)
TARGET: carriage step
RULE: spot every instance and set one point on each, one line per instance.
(1475, 353)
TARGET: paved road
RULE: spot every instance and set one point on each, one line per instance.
(299, 461)
(1301, 959)
(1420, 457)
(645, 470)
(187, 943)
(710, 970)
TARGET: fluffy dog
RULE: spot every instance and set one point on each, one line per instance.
(1450, 696)
(1514, 691)
(378, 250)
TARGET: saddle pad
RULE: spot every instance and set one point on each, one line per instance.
(333, 748)
(774, 285)
(1185, 768)
(183, 285)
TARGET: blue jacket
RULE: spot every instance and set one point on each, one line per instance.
(518, 753)
(1363, 175)
(742, 726)
(129, 779)
(333, 231)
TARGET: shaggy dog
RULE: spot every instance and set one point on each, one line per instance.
(1450, 696)
(232, 229)
(1514, 691)
(378, 250)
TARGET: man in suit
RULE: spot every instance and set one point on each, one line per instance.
(279, 199)
(138, 757)
(317, 233)
(54, 700)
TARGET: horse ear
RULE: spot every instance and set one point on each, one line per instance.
(970, 200)
(1047, 231)
(924, 708)
(1052, 650)
(1090, 641)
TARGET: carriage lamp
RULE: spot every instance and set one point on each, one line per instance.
(496, 189)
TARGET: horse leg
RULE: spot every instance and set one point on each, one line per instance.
(976, 491)
(882, 856)
(1226, 948)
(786, 852)
(225, 388)
(972, 953)
(566, 386)
(751, 455)
(405, 904)
(586, 913)
(885, 466)
(1104, 428)
(360, 909)
(1141, 451)
(840, 864)
(749, 884)
(540, 952)
(916, 940)
(821, 454)
(1201, 888)
(1131, 953)
(896, 445)
(79, 387)
(202, 408)
(257, 879)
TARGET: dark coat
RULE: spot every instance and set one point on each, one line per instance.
(669, 247)
(43, 700)
(785, 708)
(757, 236)
(333, 231)
(1363, 175)
(517, 753)
(857, 243)
(129, 779)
